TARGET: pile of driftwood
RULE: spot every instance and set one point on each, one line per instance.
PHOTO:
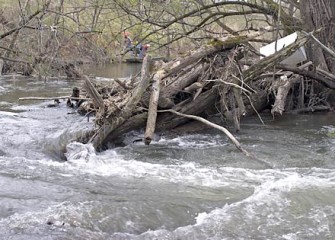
(217, 79)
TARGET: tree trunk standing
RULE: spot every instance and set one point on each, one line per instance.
(318, 14)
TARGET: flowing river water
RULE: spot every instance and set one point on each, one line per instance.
(194, 186)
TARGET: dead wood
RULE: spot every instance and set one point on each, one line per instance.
(197, 107)
(152, 113)
(94, 94)
(117, 119)
(283, 90)
(195, 86)
(283, 86)
(326, 81)
(182, 82)
(1, 66)
(208, 81)
(51, 98)
(203, 52)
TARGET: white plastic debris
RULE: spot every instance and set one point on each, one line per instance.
(297, 57)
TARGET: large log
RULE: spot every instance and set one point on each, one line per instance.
(217, 45)
(200, 54)
(196, 107)
(283, 90)
(183, 81)
(152, 113)
(326, 81)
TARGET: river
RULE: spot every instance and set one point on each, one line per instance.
(195, 186)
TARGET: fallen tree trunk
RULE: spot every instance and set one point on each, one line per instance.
(283, 90)
(196, 107)
(152, 113)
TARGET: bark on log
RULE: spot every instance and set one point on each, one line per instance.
(193, 58)
(196, 107)
(94, 95)
(283, 90)
(152, 113)
(286, 83)
(195, 86)
(215, 46)
(182, 82)
(328, 82)
(258, 102)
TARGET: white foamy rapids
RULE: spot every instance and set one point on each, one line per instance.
(83, 158)
(66, 217)
(194, 141)
(40, 130)
(78, 151)
(278, 209)
(9, 114)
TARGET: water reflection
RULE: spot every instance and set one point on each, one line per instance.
(113, 70)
